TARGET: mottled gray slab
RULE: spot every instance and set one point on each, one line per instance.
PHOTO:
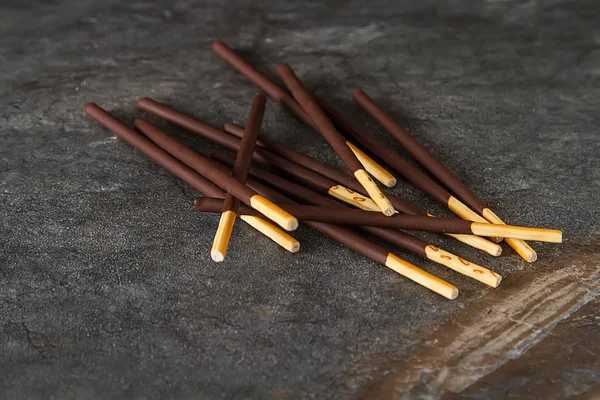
(106, 285)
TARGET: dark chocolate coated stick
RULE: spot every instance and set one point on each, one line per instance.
(205, 167)
(436, 168)
(333, 137)
(398, 238)
(240, 173)
(183, 172)
(347, 216)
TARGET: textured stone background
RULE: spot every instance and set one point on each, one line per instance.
(107, 289)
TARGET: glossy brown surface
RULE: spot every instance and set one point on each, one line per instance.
(323, 124)
(349, 216)
(346, 237)
(390, 157)
(419, 152)
(268, 86)
(246, 148)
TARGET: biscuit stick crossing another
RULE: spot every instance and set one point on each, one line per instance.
(185, 173)
(333, 137)
(281, 96)
(437, 169)
(206, 168)
(398, 163)
(349, 216)
(240, 173)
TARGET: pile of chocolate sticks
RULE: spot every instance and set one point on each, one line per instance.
(270, 181)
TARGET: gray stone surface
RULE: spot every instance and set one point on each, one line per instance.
(106, 285)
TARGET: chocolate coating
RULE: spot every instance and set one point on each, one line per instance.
(232, 58)
(349, 216)
(185, 121)
(246, 148)
(305, 175)
(352, 240)
(154, 152)
(324, 125)
(232, 143)
(419, 152)
(340, 234)
(216, 205)
(264, 83)
(344, 236)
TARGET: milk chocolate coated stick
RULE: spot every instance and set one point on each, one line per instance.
(324, 185)
(280, 95)
(436, 168)
(232, 143)
(369, 249)
(348, 216)
(183, 172)
(240, 173)
(283, 97)
(333, 137)
(407, 170)
(321, 168)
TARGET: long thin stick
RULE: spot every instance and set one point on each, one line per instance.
(436, 168)
(347, 216)
(347, 195)
(399, 164)
(282, 96)
(335, 140)
(183, 172)
(240, 173)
